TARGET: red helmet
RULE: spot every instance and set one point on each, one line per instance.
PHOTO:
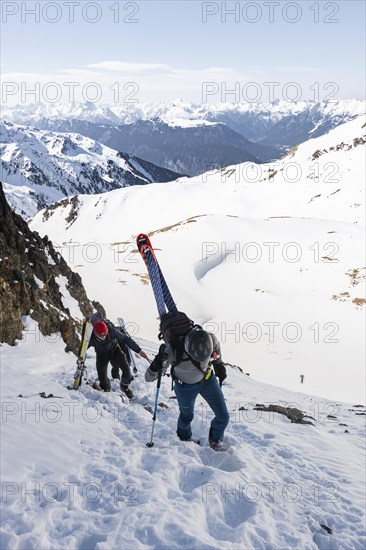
(100, 328)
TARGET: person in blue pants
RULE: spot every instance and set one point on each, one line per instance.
(191, 359)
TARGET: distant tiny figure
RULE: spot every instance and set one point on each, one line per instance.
(302, 378)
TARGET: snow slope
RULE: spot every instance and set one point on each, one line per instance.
(56, 165)
(270, 257)
(22, 199)
(77, 472)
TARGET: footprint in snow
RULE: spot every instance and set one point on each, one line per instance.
(285, 454)
(91, 541)
(236, 510)
(225, 461)
(104, 476)
(248, 437)
(193, 477)
(268, 436)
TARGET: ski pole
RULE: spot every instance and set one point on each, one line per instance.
(151, 443)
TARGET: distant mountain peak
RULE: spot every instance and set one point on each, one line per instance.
(55, 165)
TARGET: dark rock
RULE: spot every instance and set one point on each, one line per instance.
(233, 366)
(98, 307)
(295, 415)
(326, 528)
(29, 268)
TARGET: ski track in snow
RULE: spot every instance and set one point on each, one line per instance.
(272, 489)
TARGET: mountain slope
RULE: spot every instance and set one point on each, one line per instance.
(313, 122)
(269, 256)
(34, 277)
(280, 485)
(191, 148)
(188, 147)
(57, 165)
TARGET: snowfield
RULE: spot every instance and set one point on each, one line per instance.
(77, 473)
(269, 257)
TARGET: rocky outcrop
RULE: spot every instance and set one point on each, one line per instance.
(35, 279)
(294, 415)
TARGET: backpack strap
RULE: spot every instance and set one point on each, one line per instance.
(179, 352)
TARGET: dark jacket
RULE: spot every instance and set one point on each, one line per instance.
(113, 339)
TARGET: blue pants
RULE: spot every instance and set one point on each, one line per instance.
(211, 392)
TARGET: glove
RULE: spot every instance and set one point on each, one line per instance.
(157, 363)
(220, 371)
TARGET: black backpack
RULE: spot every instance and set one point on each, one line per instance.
(173, 326)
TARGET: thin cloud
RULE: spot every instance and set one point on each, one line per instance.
(77, 72)
(119, 66)
(217, 70)
(296, 69)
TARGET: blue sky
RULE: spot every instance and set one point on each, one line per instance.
(167, 50)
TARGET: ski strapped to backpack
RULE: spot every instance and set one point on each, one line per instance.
(163, 297)
(81, 367)
(174, 324)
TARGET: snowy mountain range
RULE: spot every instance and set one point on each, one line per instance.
(189, 150)
(312, 122)
(253, 120)
(42, 164)
(41, 167)
(261, 250)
